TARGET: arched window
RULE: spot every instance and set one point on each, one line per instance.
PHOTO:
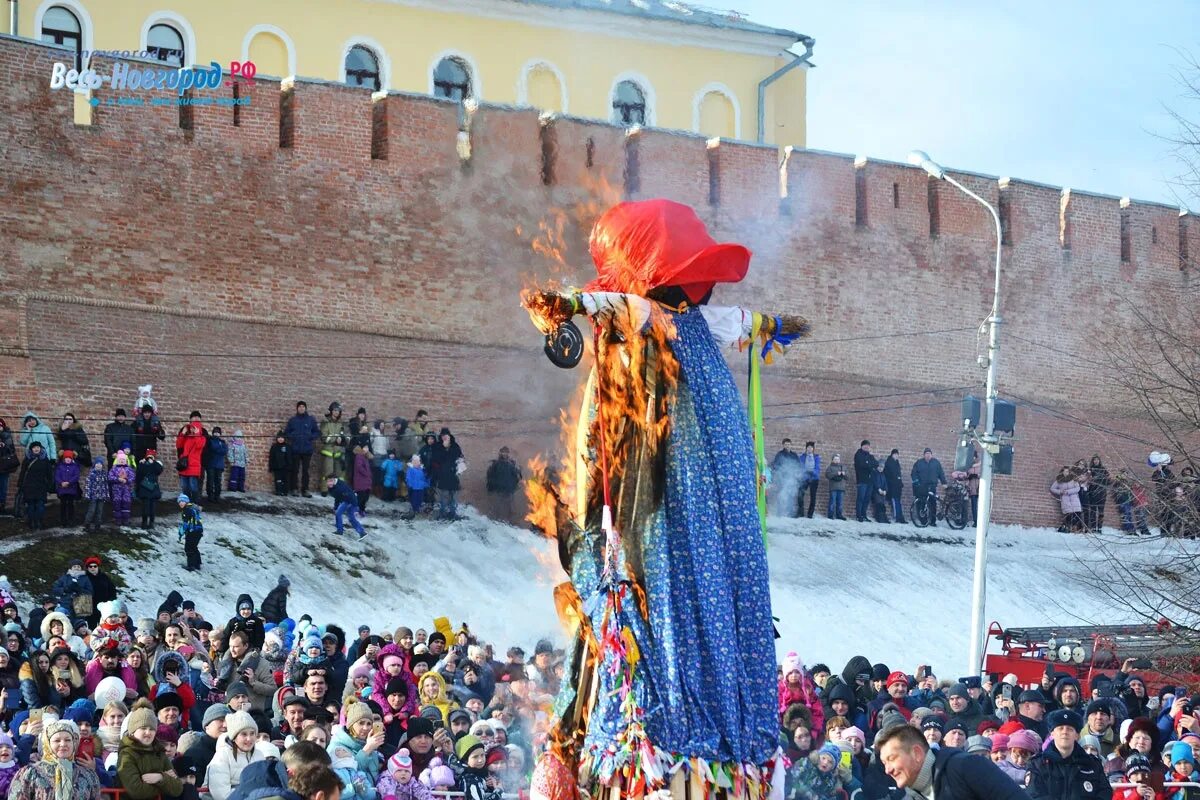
(716, 116)
(452, 79)
(362, 68)
(166, 44)
(61, 26)
(629, 104)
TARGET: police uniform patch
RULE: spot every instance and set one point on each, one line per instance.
(1087, 786)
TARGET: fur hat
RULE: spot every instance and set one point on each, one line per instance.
(1063, 716)
(792, 663)
(238, 721)
(1158, 459)
(141, 718)
(356, 712)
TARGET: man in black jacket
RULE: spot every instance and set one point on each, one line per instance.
(864, 475)
(1066, 771)
(503, 479)
(115, 433)
(895, 485)
(927, 473)
(147, 432)
(274, 605)
(947, 774)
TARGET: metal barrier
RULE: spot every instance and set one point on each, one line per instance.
(1168, 785)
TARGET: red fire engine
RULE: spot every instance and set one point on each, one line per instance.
(1161, 656)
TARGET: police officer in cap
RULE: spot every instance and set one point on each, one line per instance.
(1065, 771)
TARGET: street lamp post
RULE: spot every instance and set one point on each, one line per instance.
(988, 439)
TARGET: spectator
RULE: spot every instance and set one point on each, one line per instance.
(973, 478)
(56, 776)
(236, 749)
(379, 451)
(281, 464)
(71, 436)
(66, 486)
(408, 438)
(864, 479)
(879, 493)
(95, 492)
(274, 605)
(946, 774)
(34, 430)
(1101, 482)
(9, 463)
(189, 447)
(392, 471)
(333, 443)
(926, 475)
(191, 530)
(785, 470)
(810, 476)
(147, 487)
(1064, 770)
(835, 474)
(1132, 501)
(362, 478)
(117, 432)
(147, 432)
(503, 479)
(236, 457)
(215, 450)
(1066, 489)
(34, 482)
(345, 503)
(301, 433)
(242, 663)
(895, 485)
(103, 590)
(121, 479)
(417, 481)
(443, 470)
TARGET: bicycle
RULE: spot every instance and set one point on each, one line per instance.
(955, 507)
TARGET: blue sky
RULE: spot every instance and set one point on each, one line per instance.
(1063, 92)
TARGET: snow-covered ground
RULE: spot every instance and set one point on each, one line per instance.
(894, 593)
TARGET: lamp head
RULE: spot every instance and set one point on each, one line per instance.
(919, 158)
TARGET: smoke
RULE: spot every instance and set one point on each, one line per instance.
(784, 491)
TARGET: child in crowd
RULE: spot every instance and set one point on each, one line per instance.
(191, 530)
(1137, 771)
(237, 457)
(474, 781)
(415, 479)
(361, 476)
(278, 463)
(393, 469)
(8, 763)
(815, 777)
(215, 450)
(120, 488)
(879, 493)
(66, 486)
(149, 492)
(144, 398)
(142, 763)
(345, 502)
(398, 781)
(95, 491)
(1183, 767)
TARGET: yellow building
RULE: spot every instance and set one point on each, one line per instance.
(657, 63)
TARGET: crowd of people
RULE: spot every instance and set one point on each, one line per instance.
(178, 706)
(405, 461)
(1171, 502)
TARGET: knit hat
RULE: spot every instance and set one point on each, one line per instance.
(999, 742)
(1024, 740)
(880, 672)
(792, 663)
(853, 733)
(958, 690)
(831, 750)
(979, 744)
(82, 710)
(396, 685)
(419, 726)
(1063, 716)
(889, 718)
(5, 739)
(1136, 763)
(987, 724)
(1182, 751)
(897, 677)
(1098, 705)
(956, 725)
(215, 712)
(469, 744)
(356, 712)
(238, 721)
(1011, 726)
(1089, 741)
(496, 755)
(167, 734)
(141, 718)
(236, 688)
(401, 760)
(312, 639)
(120, 458)
(183, 498)
(284, 582)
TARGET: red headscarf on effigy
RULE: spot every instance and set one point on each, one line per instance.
(644, 245)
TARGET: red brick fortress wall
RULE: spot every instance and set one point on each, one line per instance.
(324, 244)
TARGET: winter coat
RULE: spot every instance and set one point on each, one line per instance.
(342, 493)
(959, 776)
(277, 459)
(1079, 776)
(75, 439)
(262, 678)
(302, 432)
(116, 434)
(214, 453)
(443, 466)
(36, 782)
(379, 444)
(189, 444)
(146, 480)
(879, 486)
(147, 433)
(1010, 769)
(894, 475)
(236, 454)
(380, 679)
(96, 487)
(38, 433)
(93, 673)
(118, 490)
(810, 467)
(414, 478)
(135, 759)
(806, 782)
(36, 479)
(252, 625)
(805, 694)
(926, 475)
(342, 745)
(362, 477)
(970, 716)
(864, 466)
(1068, 496)
(393, 468)
(68, 474)
(503, 476)
(225, 771)
(274, 605)
(333, 438)
(9, 461)
(836, 475)
(388, 789)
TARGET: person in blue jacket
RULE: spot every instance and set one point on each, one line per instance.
(345, 501)
(301, 432)
(393, 471)
(810, 477)
(214, 462)
(417, 482)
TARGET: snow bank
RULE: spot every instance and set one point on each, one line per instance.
(894, 593)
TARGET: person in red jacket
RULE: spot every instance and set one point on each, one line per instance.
(189, 447)
(1137, 770)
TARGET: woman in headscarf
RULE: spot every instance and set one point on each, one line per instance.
(60, 775)
(673, 662)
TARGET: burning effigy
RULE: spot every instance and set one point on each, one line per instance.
(659, 515)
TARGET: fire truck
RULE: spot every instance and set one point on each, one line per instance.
(1163, 654)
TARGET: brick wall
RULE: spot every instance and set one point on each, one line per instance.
(322, 244)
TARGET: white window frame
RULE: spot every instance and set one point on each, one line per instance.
(179, 23)
(523, 83)
(717, 87)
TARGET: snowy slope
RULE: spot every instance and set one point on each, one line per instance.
(891, 592)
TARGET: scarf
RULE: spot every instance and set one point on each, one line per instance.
(923, 785)
(64, 776)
